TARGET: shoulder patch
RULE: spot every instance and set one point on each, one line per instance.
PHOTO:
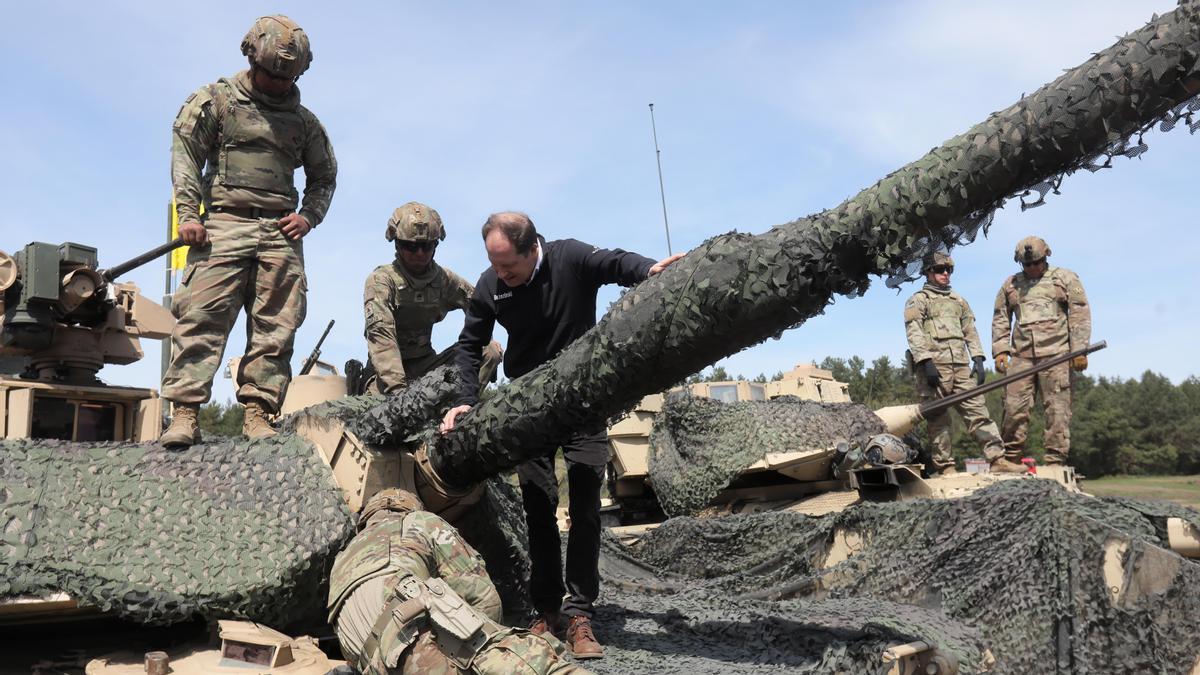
(912, 313)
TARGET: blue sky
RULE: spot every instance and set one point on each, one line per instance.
(765, 111)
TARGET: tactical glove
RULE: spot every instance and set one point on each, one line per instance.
(1002, 363)
(977, 370)
(931, 373)
(1079, 363)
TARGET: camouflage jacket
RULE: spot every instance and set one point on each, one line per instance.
(1034, 318)
(419, 544)
(400, 310)
(940, 326)
(236, 147)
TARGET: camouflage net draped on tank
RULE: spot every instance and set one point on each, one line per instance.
(1017, 569)
(699, 445)
(223, 529)
(737, 290)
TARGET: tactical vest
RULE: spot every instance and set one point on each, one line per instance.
(1038, 301)
(415, 310)
(365, 558)
(260, 148)
(943, 317)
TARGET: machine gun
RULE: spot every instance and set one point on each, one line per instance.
(316, 352)
(67, 318)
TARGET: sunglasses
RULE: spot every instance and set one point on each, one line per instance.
(1031, 264)
(414, 246)
(942, 269)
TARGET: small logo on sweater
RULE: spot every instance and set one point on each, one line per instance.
(502, 296)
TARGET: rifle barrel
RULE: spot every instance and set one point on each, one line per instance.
(935, 407)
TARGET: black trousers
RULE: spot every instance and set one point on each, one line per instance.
(586, 456)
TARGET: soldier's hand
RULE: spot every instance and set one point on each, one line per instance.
(664, 264)
(1002, 363)
(294, 226)
(1079, 363)
(977, 370)
(932, 376)
(451, 417)
(193, 234)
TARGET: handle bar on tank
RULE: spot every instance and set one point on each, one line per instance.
(935, 407)
(900, 419)
(137, 261)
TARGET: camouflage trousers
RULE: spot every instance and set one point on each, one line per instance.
(507, 650)
(1054, 386)
(956, 378)
(270, 285)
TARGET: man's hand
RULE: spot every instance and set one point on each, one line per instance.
(1079, 363)
(193, 234)
(932, 376)
(977, 370)
(451, 416)
(1002, 363)
(665, 263)
(294, 226)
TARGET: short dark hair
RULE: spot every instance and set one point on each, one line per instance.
(517, 227)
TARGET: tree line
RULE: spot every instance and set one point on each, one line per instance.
(1132, 426)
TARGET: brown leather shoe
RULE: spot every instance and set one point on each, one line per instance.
(550, 623)
(582, 640)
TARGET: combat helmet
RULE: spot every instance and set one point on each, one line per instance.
(397, 500)
(415, 222)
(279, 46)
(1031, 249)
(934, 259)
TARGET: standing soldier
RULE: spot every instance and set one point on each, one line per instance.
(236, 146)
(948, 358)
(402, 301)
(1052, 317)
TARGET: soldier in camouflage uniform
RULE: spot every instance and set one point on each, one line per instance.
(409, 595)
(402, 301)
(1040, 312)
(948, 358)
(236, 146)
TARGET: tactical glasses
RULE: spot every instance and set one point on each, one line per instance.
(942, 269)
(414, 246)
(1031, 264)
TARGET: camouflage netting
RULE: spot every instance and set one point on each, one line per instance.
(736, 290)
(1016, 568)
(699, 444)
(235, 528)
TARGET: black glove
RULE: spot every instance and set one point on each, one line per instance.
(977, 370)
(931, 373)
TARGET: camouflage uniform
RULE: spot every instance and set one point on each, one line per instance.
(235, 150)
(398, 556)
(401, 309)
(941, 328)
(1035, 319)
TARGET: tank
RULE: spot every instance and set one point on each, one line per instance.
(1011, 578)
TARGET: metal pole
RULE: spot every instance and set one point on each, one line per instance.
(662, 192)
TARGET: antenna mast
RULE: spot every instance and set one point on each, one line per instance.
(662, 192)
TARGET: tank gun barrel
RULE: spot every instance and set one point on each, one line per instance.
(737, 289)
(900, 419)
(137, 261)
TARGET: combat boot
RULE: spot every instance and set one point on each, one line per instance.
(184, 430)
(582, 640)
(256, 423)
(1002, 465)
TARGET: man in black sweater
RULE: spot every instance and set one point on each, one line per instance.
(544, 294)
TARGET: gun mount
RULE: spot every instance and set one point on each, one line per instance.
(63, 320)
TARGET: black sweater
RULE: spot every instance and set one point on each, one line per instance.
(544, 316)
